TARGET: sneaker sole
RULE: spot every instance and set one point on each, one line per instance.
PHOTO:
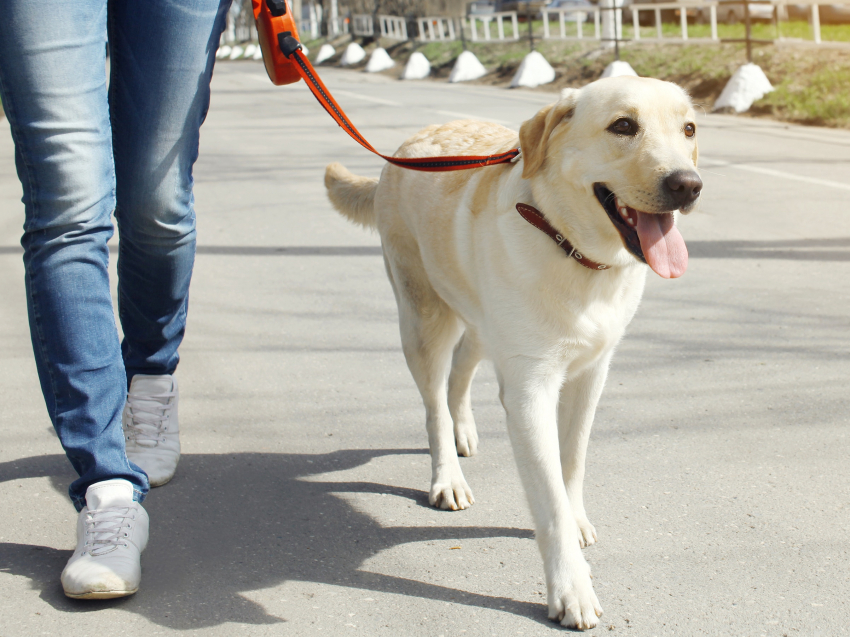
(101, 594)
(160, 483)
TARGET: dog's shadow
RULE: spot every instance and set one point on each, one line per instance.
(234, 523)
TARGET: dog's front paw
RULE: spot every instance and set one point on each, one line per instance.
(586, 532)
(466, 437)
(449, 491)
(573, 602)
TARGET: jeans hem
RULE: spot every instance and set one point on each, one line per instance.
(79, 503)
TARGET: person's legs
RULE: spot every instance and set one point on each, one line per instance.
(53, 85)
(162, 56)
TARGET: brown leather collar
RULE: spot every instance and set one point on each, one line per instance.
(533, 216)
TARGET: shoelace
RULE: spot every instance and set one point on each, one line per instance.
(105, 529)
(148, 417)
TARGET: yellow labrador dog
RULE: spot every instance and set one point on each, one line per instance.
(545, 289)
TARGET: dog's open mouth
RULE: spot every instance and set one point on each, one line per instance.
(651, 237)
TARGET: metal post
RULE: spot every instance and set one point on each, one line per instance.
(683, 21)
(530, 25)
(636, 22)
(713, 13)
(747, 23)
(816, 23)
(776, 21)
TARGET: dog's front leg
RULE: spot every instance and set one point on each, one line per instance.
(577, 407)
(529, 392)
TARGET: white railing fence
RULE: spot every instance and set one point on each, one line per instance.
(362, 25)
(579, 16)
(500, 18)
(436, 28)
(392, 27)
(704, 9)
(570, 23)
(339, 26)
(682, 7)
(813, 12)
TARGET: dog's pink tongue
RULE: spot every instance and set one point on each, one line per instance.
(662, 244)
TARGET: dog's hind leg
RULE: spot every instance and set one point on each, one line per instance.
(429, 329)
(464, 363)
(579, 397)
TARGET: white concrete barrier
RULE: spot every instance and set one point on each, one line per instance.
(325, 53)
(466, 68)
(379, 61)
(747, 84)
(353, 54)
(417, 68)
(618, 68)
(533, 71)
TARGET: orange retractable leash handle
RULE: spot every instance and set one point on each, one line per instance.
(286, 63)
(275, 22)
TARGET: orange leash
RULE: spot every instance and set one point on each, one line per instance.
(291, 48)
(286, 63)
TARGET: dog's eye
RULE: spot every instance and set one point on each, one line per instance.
(690, 130)
(624, 126)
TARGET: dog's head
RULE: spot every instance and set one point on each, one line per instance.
(613, 163)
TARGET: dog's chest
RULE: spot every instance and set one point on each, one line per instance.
(590, 325)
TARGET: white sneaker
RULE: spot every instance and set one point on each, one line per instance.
(112, 532)
(151, 431)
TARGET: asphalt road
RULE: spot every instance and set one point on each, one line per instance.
(718, 473)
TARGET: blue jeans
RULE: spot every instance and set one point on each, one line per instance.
(83, 151)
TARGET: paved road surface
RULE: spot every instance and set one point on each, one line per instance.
(718, 473)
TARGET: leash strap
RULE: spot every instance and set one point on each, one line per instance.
(533, 216)
(291, 48)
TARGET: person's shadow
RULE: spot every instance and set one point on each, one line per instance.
(234, 523)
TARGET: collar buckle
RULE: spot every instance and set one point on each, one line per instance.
(533, 216)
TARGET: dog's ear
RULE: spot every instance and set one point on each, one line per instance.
(534, 133)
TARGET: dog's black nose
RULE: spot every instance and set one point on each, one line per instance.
(683, 187)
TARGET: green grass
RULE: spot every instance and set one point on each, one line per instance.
(814, 99)
(760, 31)
(796, 29)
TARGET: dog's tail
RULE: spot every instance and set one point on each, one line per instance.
(352, 196)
